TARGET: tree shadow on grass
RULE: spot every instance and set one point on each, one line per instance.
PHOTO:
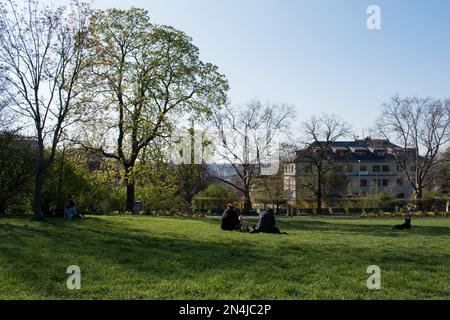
(372, 229)
(179, 256)
(363, 228)
(62, 243)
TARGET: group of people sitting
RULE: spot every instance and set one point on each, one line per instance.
(231, 221)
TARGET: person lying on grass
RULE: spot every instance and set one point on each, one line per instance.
(266, 223)
(231, 221)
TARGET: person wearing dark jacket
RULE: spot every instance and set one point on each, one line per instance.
(70, 212)
(266, 223)
(230, 219)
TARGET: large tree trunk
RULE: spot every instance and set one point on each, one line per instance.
(418, 195)
(61, 181)
(247, 201)
(130, 196)
(246, 186)
(319, 192)
(188, 206)
(38, 182)
(2, 207)
(129, 205)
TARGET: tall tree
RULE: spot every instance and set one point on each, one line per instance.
(189, 148)
(147, 76)
(440, 186)
(443, 173)
(318, 134)
(3, 100)
(332, 183)
(162, 163)
(421, 126)
(269, 190)
(248, 136)
(42, 52)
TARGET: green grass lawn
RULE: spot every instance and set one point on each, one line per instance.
(175, 258)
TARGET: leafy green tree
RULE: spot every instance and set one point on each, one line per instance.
(269, 190)
(158, 198)
(181, 182)
(191, 177)
(147, 77)
(67, 178)
(214, 196)
(17, 161)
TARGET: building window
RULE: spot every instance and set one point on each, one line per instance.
(363, 183)
(385, 182)
(376, 168)
(399, 182)
(362, 168)
(349, 168)
(386, 169)
(290, 168)
(360, 153)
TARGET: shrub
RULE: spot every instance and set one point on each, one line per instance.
(215, 196)
(17, 165)
(159, 199)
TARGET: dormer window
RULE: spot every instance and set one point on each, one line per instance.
(340, 151)
(359, 151)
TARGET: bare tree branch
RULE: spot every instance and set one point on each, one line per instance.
(246, 136)
(421, 126)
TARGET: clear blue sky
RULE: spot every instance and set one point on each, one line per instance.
(317, 55)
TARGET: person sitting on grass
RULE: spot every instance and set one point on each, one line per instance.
(230, 219)
(70, 212)
(266, 223)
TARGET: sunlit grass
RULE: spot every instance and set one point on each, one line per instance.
(176, 258)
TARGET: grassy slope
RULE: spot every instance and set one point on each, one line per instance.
(174, 258)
